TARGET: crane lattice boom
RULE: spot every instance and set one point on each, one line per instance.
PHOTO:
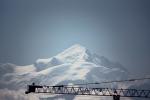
(64, 89)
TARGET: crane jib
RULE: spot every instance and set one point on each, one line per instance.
(64, 89)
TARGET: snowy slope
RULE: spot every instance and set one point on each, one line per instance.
(77, 64)
(74, 65)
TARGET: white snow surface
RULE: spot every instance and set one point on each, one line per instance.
(74, 65)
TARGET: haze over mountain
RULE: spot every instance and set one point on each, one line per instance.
(74, 65)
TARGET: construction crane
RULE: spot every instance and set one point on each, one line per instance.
(78, 89)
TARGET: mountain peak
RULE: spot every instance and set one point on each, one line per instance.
(73, 49)
(76, 47)
(74, 53)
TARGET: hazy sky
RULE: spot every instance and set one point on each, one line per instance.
(117, 29)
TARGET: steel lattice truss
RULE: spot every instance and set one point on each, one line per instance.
(88, 91)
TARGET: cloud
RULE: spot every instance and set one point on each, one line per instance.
(6, 94)
(14, 79)
(6, 68)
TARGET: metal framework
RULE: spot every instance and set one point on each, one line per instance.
(63, 89)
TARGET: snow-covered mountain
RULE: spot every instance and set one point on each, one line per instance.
(74, 65)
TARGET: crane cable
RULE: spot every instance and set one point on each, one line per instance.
(129, 80)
